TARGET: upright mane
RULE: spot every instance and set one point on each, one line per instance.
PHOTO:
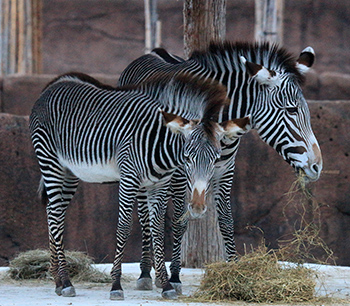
(271, 56)
(190, 97)
(185, 95)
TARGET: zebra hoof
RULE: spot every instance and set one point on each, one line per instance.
(68, 291)
(169, 294)
(177, 287)
(116, 295)
(58, 290)
(158, 283)
(144, 284)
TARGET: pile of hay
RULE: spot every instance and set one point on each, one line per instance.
(35, 265)
(257, 277)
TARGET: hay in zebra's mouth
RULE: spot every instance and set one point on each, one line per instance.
(35, 264)
(305, 240)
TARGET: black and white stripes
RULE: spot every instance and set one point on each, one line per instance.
(137, 135)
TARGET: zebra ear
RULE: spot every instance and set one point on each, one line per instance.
(236, 128)
(176, 123)
(305, 60)
(263, 75)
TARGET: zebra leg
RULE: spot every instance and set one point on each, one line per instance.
(222, 198)
(179, 223)
(158, 204)
(145, 280)
(127, 193)
(60, 190)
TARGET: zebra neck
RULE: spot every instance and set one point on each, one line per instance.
(240, 90)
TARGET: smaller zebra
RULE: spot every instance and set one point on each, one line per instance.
(137, 135)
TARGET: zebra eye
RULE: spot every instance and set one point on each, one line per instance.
(292, 110)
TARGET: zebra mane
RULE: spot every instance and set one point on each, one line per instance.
(188, 96)
(193, 98)
(271, 56)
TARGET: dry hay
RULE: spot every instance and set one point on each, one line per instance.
(257, 277)
(35, 264)
(306, 239)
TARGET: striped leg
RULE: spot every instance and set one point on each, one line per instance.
(59, 187)
(180, 222)
(60, 190)
(223, 185)
(127, 193)
(145, 280)
(158, 203)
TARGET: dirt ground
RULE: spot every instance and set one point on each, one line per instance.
(332, 282)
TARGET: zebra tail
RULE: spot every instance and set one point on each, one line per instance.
(42, 192)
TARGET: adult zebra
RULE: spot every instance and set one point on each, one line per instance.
(84, 130)
(263, 81)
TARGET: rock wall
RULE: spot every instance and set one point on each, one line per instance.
(19, 92)
(104, 36)
(101, 38)
(258, 197)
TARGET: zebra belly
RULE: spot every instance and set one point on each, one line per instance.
(94, 173)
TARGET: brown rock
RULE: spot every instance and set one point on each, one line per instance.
(259, 199)
(19, 92)
(334, 86)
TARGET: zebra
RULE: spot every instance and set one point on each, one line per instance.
(263, 81)
(137, 135)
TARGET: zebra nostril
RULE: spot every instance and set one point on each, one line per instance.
(314, 167)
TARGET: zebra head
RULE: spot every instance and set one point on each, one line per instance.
(201, 151)
(281, 115)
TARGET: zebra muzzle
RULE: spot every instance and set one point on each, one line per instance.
(198, 206)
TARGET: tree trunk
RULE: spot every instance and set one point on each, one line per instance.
(204, 21)
(20, 42)
(269, 20)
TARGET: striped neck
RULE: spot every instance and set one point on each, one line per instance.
(221, 61)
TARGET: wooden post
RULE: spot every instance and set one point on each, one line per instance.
(20, 40)
(204, 20)
(269, 20)
(152, 26)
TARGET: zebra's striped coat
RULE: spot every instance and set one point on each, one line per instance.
(84, 130)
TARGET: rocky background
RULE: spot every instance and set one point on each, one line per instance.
(101, 38)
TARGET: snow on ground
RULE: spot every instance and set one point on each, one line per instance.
(333, 281)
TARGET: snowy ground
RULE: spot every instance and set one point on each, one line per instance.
(332, 282)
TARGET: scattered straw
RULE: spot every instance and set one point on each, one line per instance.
(35, 264)
(257, 277)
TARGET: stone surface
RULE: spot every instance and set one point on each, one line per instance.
(101, 38)
(104, 36)
(18, 93)
(259, 200)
